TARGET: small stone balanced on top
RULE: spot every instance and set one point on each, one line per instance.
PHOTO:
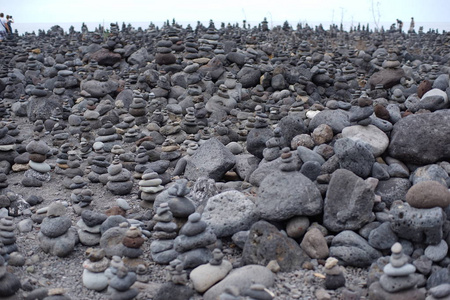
(334, 274)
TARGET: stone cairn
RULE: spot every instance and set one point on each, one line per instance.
(180, 205)
(7, 145)
(57, 236)
(334, 274)
(138, 110)
(99, 169)
(7, 236)
(192, 242)
(176, 287)
(120, 284)
(74, 164)
(39, 169)
(273, 146)
(141, 160)
(132, 243)
(164, 233)
(89, 227)
(94, 277)
(107, 135)
(62, 158)
(149, 188)
(119, 179)
(9, 282)
(399, 279)
(81, 199)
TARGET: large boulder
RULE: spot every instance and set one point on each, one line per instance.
(285, 194)
(104, 57)
(249, 77)
(214, 67)
(229, 212)
(355, 156)
(372, 135)
(140, 57)
(212, 160)
(41, 108)
(242, 278)
(421, 138)
(348, 203)
(387, 77)
(98, 88)
(266, 243)
(291, 126)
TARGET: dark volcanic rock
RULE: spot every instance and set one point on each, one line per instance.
(266, 243)
(421, 138)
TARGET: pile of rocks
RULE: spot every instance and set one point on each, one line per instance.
(308, 148)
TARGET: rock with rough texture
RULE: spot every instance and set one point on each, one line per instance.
(349, 202)
(249, 77)
(416, 224)
(374, 137)
(432, 172)
(242, 278)
(392, 189)
(229, 212)
(256, 140)
(212, 160)
(291, 126)
(265, 243)
(171, 291)
(353, 250)
(376, 292)
(355, 156)
(421, 138)
(283, 195)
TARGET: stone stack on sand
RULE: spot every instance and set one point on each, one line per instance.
(39, 170)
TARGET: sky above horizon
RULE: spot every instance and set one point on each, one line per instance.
(230, 11)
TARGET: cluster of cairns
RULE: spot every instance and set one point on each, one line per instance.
(331, 147)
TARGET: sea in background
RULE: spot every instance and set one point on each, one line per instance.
(22, 28)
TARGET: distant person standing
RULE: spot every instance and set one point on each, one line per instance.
(411, 26)
(10, 21)
(400, 25)
(3, 27)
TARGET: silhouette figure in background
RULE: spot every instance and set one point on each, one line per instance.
(400, 25)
